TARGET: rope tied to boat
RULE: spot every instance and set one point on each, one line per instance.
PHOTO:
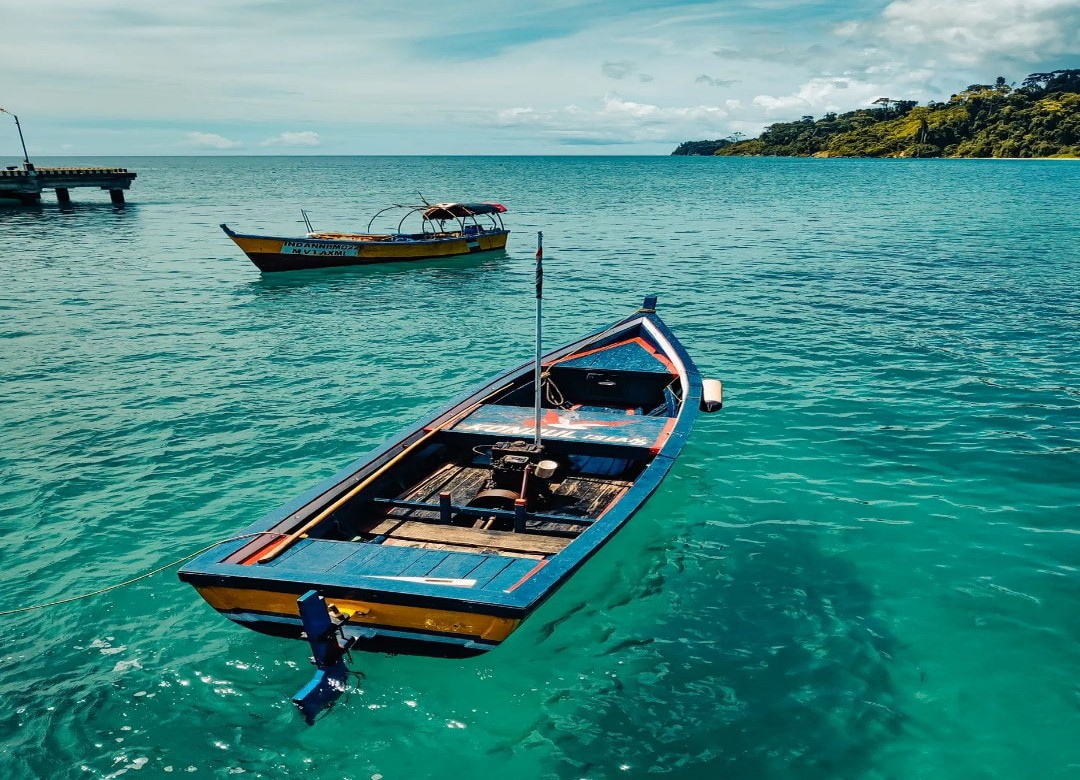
(552, 393)
(159, 569)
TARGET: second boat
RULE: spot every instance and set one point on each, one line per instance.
(445, 230)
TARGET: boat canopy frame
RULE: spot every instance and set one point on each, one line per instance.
(444, 212)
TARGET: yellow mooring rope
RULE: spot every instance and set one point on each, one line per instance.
(135, 579)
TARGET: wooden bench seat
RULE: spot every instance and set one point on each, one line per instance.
(636, 432)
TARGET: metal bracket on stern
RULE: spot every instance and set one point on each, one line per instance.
(323, 630)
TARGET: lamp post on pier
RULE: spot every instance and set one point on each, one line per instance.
(26, 157)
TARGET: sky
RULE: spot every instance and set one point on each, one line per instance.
(228, 77)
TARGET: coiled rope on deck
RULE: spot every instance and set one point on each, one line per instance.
(136, 579)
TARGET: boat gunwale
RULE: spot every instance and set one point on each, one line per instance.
(392, 240)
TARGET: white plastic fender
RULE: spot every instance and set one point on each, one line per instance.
(712, 395)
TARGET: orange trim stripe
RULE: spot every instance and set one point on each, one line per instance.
(259, 553)
(661, 440)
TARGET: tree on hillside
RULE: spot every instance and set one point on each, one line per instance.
(1064, 81)
(1035, 82)
(898, 107)
(1055, 81)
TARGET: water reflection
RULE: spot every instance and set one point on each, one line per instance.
(437, 267)
(46, 207)
(76, 236)
(81, 216)
(452, 272)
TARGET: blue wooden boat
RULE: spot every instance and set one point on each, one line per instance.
(442, 541)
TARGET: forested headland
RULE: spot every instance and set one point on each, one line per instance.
(1040, 118)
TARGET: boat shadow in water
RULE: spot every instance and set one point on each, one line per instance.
(766, 662)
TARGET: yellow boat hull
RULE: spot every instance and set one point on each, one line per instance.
(271, 253)
(417, 630)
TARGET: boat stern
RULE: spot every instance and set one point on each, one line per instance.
(387, 611)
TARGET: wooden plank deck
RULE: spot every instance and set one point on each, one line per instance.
(577, 495)
(585, 496)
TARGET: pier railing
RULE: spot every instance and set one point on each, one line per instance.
(67, 171)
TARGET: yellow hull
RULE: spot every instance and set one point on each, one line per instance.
(337, 249)
(447, 632)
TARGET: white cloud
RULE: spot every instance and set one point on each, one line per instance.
(208, 141)
(822, 94)
(297, 138)
(616, 107)
(617, 120)
(976, 32)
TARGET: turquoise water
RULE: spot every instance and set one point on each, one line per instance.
(866, 566)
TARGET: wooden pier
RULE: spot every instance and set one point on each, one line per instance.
(25, 184)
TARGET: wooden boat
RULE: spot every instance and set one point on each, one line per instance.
(442, 541)
(446, 230)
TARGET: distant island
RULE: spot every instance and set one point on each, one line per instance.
(1040, 118)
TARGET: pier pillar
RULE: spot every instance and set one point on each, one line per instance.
(117, 197)
(63, 197)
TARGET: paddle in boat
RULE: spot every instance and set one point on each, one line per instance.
(445, 230)
(442, 541)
